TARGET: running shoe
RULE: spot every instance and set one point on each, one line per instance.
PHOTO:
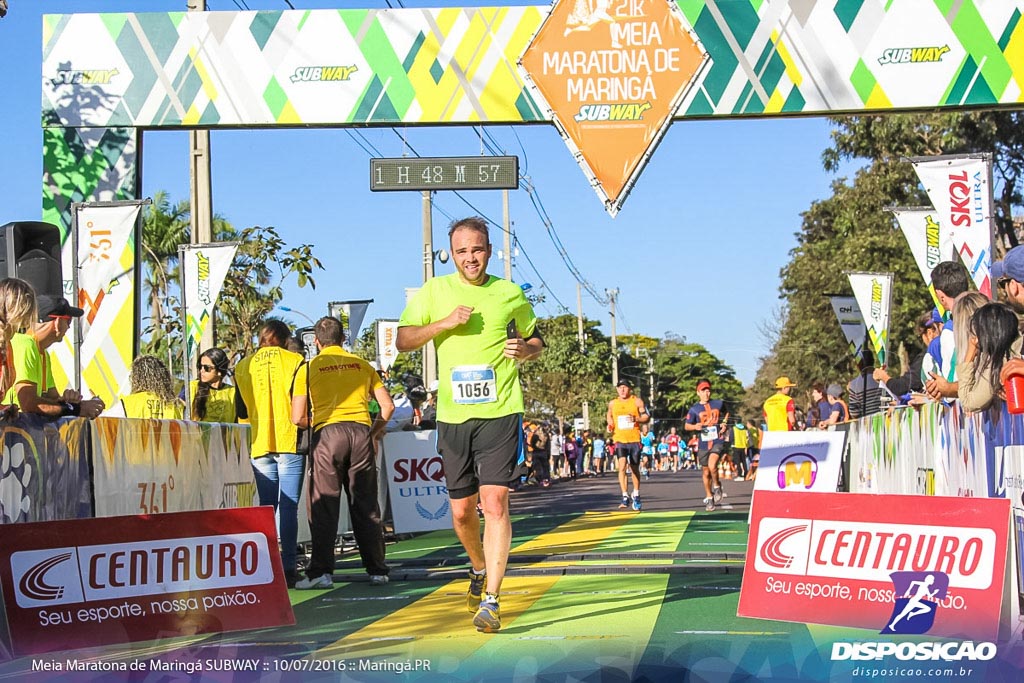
(718, 494)
(321, 582)
(636, 502)
(624, 505)
(476, 590)
(379, 579)
(488, 617)
(709, 504)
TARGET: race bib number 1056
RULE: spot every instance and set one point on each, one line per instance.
(474, 384)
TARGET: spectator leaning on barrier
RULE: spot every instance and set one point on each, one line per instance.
(964, 307)
(949, 280)
(838, 410)
(17, 312)
(1008, 275)
(928, 327)
(335, 387)
(264, 402)
(992, 337)
(34, 390)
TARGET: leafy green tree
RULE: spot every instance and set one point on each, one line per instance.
(852, 231)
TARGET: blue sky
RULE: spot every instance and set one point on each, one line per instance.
(696, 249)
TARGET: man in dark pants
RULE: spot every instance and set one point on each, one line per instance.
(334, 388)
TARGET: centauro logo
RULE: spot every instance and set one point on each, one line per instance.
(931, 231)
(912, 55)
(626, 111)
(319, 74)
(84, 76)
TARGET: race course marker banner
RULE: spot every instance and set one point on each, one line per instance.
(92, 582)
(893, 564)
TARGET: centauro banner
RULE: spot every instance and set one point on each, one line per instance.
(205, 267)
(850, 320)
(100, 263)
(930, 242)
(873, 292)
(960, 191)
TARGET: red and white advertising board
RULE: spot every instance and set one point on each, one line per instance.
(90, 582)
(827, 558)
(416, 484)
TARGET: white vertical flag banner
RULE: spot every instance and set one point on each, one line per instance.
(387, 343)
(929, 242)
(851, 321)
(960, 189)
(103, 249)
(204, 267)
(351, 314)
(873, 292)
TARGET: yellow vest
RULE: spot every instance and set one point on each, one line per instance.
(220, 404)
(776, 410)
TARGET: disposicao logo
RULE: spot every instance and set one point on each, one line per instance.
(917, 599)
(917, 602)
(913, 55)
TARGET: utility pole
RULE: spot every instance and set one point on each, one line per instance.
(612, 293)
(508, 235)
(200, 188)
(650, 373)
(429, 355)
(579, 317)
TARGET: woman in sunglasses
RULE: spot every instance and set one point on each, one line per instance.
(212, 399)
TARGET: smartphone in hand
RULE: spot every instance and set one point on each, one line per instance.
(511, 331)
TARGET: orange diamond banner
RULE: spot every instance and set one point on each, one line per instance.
(613, 73)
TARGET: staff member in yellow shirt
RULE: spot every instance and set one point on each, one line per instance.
(263, 380)
(335, 387)
(779, 410)
(152, 394)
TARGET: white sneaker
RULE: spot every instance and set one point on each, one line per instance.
(378, 579)
(320, 582)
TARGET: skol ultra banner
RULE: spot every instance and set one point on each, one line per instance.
(960, 191)
(416, 483)
(850, 320)
(204, 267)
(930, 241)
(387, 340)
(351, 314)
(105, 236)
(873, 292)
(613, 76)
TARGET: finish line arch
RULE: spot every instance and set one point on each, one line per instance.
(108, 78)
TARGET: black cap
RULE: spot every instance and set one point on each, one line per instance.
(55, 306)
(623, 383)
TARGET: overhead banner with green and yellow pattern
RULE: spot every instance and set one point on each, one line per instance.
(469, 65)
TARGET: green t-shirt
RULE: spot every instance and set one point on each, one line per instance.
(475, 379)
(30, 365)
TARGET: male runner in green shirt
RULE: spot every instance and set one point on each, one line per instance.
(482, 325)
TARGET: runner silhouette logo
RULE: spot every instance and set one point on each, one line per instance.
(917, 601)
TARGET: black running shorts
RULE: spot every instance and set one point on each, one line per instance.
(479, 452)
(628, 450)
(704, 455)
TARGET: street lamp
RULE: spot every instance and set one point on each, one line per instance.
(286, 309)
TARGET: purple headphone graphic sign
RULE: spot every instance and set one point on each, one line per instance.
(800, 461)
